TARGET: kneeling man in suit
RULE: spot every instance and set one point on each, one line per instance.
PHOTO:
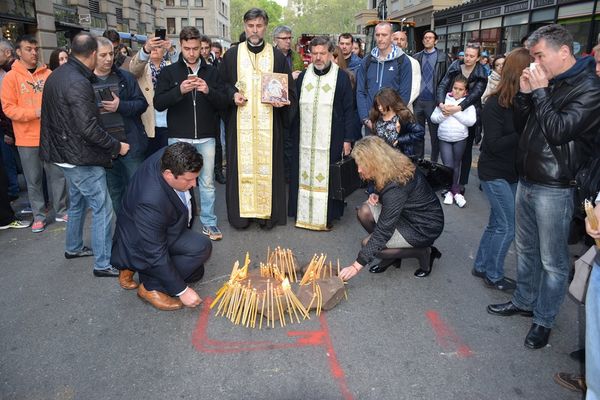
(154, 235)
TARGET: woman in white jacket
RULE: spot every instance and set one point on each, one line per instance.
(453, 131)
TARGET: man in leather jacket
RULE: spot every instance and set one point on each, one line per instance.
(72, 138)
(557, 115)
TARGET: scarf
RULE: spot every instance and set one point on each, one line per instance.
(156, 72)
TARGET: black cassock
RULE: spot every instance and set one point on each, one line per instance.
(343, 129)
(281, 119)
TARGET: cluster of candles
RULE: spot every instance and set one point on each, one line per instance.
(589, 211)
(266, 292)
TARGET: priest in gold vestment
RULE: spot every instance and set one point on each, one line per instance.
(255, 183)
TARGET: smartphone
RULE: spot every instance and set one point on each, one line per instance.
(192, 76)
(106, 94)
(161, 33)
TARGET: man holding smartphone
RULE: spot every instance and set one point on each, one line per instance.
(190, 90)
(121, 104)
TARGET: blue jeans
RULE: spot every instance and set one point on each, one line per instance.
(543, 217)
(118, 177)
(500, 230)
(206, 181)
(592, 336)
(87, 188)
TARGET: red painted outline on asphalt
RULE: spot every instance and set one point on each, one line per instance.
(446, 337)
(319, 338)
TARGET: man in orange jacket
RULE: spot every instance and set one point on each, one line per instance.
(22, 102)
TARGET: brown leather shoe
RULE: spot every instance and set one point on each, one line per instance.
(159, 300)
(126, 279)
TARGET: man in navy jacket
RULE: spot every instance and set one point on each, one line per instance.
(121, 115)
(153, 236)
(386, 66)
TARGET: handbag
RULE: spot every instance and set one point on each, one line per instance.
(437, 175)
(587, 178)
(587, 182)
(583, 270)
(343, 178)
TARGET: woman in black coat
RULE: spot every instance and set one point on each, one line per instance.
(477, 82)
(403, 213)
(498, 173)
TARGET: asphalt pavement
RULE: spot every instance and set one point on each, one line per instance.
(65, 334)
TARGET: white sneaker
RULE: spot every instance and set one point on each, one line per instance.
(448, 199)
(460, 200)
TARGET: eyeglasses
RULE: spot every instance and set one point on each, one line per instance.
(284, 38)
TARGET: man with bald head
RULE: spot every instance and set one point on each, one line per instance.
(400, 39)
(386, 66)
(73, 138)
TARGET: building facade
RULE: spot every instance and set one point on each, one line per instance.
(211, 17)
(500, 26)
(418, 11)
(54, 22)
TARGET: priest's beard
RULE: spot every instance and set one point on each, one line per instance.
(323, 67)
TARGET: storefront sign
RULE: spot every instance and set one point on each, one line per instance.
(492, 12)
(516, 7)
(471, 16)
(543, 3)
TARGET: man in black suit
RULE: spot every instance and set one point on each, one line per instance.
(153, 236)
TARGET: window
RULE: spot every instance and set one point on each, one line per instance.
(94, 6)
(183, 3)
(199, 3)
(98, 21)
(170, 3)
(513, 36)
(171, 30)
(184, 22)
(200, 24)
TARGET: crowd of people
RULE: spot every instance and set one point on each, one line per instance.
(130, 136)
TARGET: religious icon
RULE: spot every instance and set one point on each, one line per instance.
(274, 88)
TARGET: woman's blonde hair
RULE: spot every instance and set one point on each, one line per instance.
(384, 163)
